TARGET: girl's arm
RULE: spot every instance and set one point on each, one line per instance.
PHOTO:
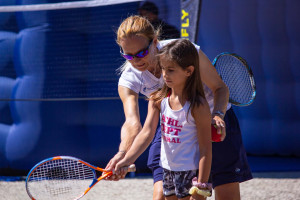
(202, 118)
(130, 128)
(143, 139)
(211, 78)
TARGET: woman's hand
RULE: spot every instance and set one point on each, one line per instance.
(112, 164)
(121, 168)
(220, 125)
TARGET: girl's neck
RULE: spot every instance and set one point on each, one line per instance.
(177, 101)
(178, 94)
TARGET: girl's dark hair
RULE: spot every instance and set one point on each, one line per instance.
(185, 54)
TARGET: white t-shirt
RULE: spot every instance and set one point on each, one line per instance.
(179, 143)
(145, 83)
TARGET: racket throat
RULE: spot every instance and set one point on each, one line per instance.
(100, 178)
(93, 183)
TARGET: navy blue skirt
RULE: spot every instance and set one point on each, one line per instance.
(229, 160)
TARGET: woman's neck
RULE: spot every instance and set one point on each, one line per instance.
(153, 66)
(155, 69)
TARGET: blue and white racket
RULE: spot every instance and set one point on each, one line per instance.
(238, 76)
(63, 178)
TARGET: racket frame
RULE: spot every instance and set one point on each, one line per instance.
(251, 77)
(95, 179)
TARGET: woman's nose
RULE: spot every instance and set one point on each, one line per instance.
(136, 59)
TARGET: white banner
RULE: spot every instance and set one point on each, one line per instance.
(63, 5)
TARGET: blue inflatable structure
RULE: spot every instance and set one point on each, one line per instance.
(266, 34)
(65, 55)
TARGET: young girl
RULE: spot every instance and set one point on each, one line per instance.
(185, 121)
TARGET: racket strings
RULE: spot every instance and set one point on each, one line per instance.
(60, 179)
(237, 78)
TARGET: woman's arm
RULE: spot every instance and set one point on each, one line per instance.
(143, 139)
(202, 118)
(131, 126)
(211, 78)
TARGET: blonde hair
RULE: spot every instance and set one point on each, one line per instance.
(135, 26)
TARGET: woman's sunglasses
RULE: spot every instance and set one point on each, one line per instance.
(140, 54)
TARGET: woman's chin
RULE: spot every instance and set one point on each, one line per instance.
(141, 67)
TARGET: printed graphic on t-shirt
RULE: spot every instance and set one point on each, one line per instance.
(151, 88)
(170, 129)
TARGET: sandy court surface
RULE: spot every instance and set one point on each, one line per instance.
(264, 186)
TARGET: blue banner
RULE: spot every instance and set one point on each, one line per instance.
(190, 15)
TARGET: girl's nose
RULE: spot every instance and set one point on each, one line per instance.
(164, 74)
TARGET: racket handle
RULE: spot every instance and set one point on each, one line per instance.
(215, 136)
(131, 168)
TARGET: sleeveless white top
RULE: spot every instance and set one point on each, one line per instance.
(146, 83)
(179, 142)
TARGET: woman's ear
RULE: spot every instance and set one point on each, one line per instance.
(189, 70)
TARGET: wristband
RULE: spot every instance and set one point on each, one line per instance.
(200, 185)
(219, 113)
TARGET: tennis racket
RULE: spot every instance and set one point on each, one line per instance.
(238, 76)
(63, 178)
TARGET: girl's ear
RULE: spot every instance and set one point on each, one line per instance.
(189, 70)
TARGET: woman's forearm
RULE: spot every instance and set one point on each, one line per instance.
(144, 138)
(221, 97)
(210, 77)
(132, 125)
(129, 131)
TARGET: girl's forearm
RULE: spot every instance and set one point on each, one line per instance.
(204, 168)
(139, 145)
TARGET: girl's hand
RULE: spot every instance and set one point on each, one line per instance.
(220, 125)
(200, 190)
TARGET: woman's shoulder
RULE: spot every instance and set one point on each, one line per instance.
(131, 79)
(162, 43)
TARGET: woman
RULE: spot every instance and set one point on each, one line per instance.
(141, 74)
